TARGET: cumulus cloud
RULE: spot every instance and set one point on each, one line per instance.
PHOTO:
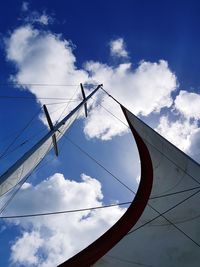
(194, 149)
(24, 250)
(117, 48)
(178, 132)
(45, 58)
(142, 90)
(188, 103)
(183, 130)
(42, 57)
(47, 241)
(102, 124)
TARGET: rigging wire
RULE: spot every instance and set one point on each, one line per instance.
(128, 261)
(16, 131)
(97, 207)
(166, 211)
(64, 211)
(35, 170)
(44, 84)
(4, 153)
(36, 84)
(175, 193)
(98, 163)
(160, 214)
(59, 103)
(175, 226)
(31, 138)
(45, 98)
(24, 180)
(20, 133)
(69, 102)
(149, 142)
(45, 164)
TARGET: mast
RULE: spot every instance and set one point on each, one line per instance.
(42, 141)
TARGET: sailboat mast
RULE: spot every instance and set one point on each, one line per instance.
(56, 128)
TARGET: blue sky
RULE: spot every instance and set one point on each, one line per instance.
(146, 53)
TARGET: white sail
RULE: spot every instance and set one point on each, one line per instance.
(161, 228)
(23, 167)
(35, 158)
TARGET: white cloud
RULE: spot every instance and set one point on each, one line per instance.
(24, 250)
(101, 123)
(44, 58)
(144, 90)
(36, 17)
(47, 241)
(179, 132)
(188, 104)
(184, 130)
(117, 48)
(25, 186)
(43, 19)
(25, 6)
(194, 149)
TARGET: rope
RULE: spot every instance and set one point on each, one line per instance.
(64, 211)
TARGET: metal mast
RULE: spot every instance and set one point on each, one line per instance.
(51, 133)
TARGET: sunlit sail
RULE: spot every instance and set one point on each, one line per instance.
(161, 226)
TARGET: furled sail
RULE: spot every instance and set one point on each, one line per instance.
(162, 225)
(24, 166)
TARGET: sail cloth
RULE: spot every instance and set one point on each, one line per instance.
(35, 158)
(20, 170)
(162, 225)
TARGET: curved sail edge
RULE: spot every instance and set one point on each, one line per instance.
(95, 251)
(167, 233)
